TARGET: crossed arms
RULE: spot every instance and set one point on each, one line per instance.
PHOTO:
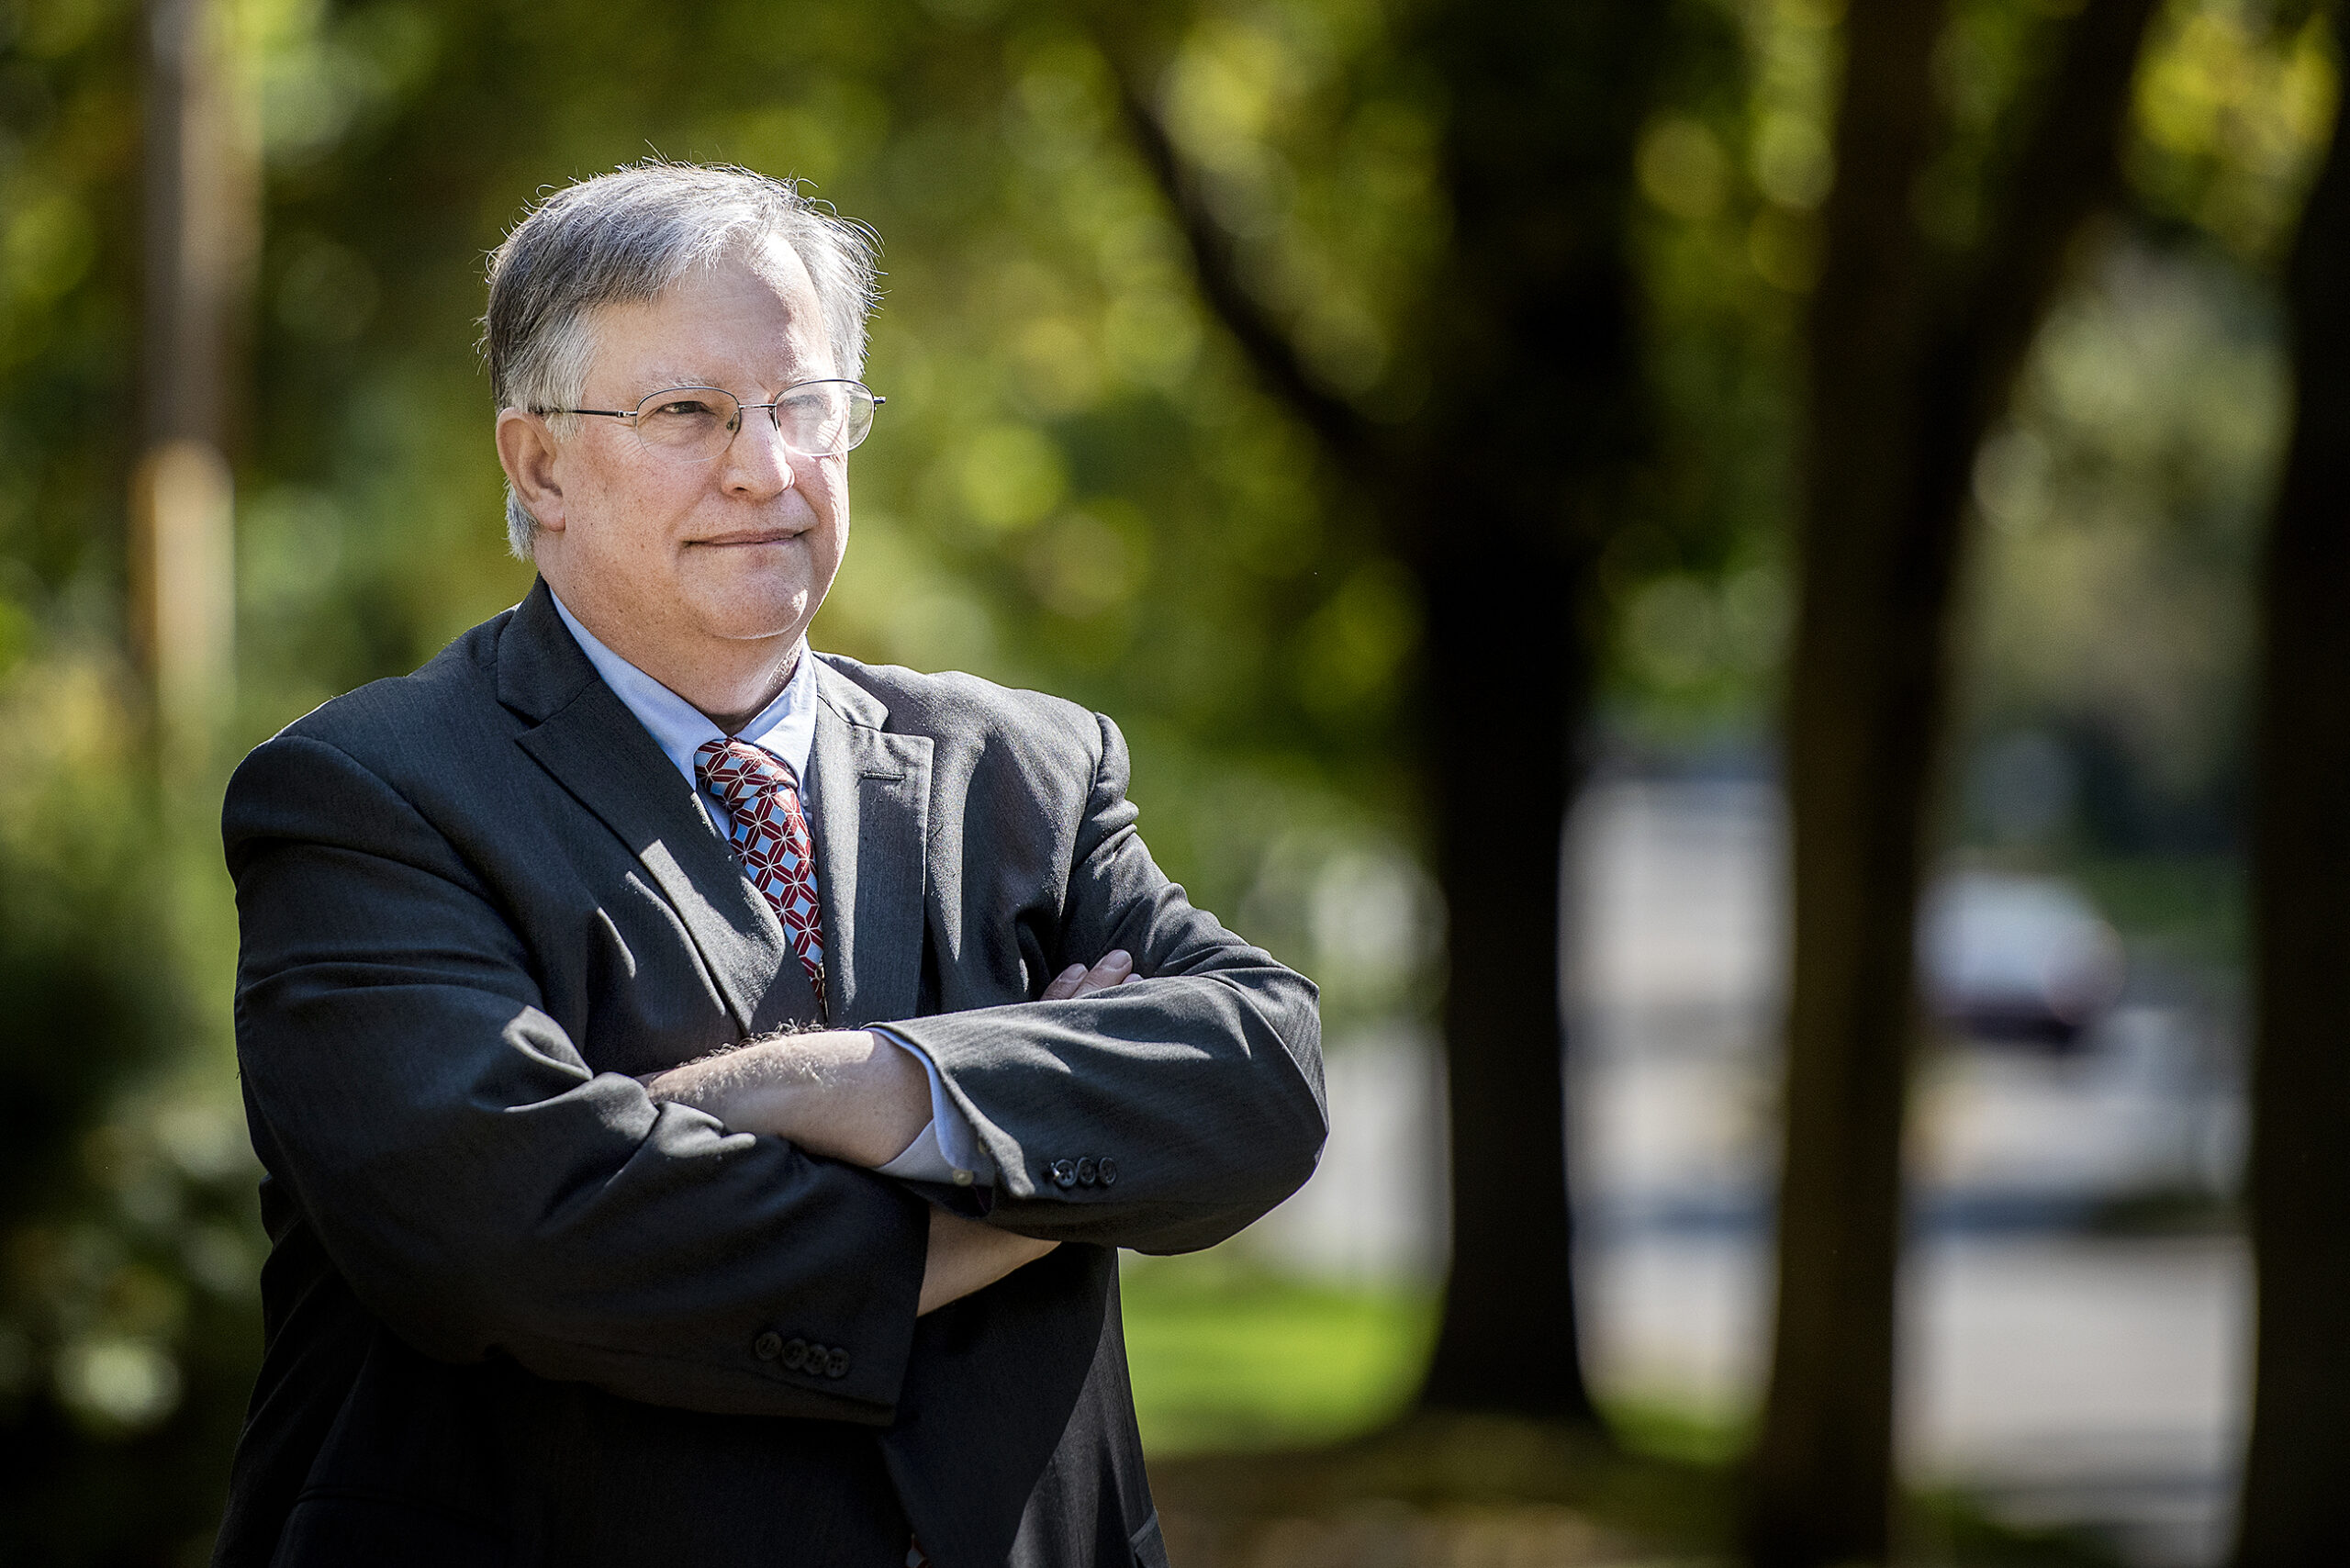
(851, 1095)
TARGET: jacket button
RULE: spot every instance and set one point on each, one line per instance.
(1064, 1172)
(837, 1364)
(795, 1355)
(1107, 1169)
(768, 1346)
(1088, 1171)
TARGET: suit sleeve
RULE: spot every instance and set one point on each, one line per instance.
(1197, 1091)
(480, 1187)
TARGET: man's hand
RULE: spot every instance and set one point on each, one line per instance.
(965, 1255)
(846, 1093)
(1116, 968)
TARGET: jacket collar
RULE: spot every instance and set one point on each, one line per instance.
(871, 792)
(540, 667)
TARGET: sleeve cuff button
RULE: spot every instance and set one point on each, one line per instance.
(769, 1345)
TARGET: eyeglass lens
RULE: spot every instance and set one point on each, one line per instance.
(697, 423)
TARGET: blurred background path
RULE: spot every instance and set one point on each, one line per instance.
(2075, 1303)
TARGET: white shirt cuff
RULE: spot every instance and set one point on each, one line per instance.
(947, 1150)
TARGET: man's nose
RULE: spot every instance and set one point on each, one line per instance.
(757, 461)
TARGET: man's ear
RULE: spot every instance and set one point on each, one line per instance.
(526, 448)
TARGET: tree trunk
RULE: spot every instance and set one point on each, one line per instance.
(1520, 474)
(1511, 681)
(201, 225)
(2295, 1507)
(1909, 371)
(1499, 498)
(1867, 691)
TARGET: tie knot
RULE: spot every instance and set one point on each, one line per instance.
(736, 771)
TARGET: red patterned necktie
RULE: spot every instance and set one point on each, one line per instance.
(769, 831)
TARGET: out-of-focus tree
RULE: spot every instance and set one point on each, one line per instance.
(1945, 236)
(2295, 1509)
(1494, 459)
(2125, 494)
(127, 1329)
(199, 207)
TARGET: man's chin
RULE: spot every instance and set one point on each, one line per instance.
(759, 620)
(763, 600)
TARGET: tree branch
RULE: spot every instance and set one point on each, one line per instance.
(2069, 168)
(1342, 428)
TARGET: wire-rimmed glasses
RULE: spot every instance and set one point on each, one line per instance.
(696, 424)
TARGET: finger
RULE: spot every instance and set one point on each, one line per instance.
(1130, 979)
(1065, 984)
(1114, 967)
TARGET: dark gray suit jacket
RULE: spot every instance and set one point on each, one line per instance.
(519, 1313)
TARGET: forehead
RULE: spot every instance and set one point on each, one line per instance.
(748, 321)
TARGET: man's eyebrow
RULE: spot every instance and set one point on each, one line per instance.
(665, 378)
(662, 379)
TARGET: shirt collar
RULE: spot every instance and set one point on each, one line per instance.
(785, 729)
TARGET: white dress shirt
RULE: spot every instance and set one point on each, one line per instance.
(785, 729)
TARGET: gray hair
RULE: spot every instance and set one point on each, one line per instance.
(624, 239)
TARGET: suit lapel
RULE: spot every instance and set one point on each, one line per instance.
(594, 746)
(871, 791)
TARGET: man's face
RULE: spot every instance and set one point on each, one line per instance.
(661, 555)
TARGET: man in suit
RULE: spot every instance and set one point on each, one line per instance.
(702, 1083)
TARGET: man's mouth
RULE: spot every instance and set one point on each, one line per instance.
(756, 536)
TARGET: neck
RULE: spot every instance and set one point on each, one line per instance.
(728, 679)
(732, 699)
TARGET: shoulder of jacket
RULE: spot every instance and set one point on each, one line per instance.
(450, 696)
(954, 707)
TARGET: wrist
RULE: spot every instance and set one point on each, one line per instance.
(805, 1087)
(844, 1093)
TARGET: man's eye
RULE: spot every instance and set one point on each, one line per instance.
(813, 412)
(687, 410)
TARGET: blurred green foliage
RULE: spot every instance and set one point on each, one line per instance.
(127, 1326)
(2125, 495)
(128, 1246)
(1075, 484)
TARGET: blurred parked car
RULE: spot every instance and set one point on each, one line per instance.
(2017, 958)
